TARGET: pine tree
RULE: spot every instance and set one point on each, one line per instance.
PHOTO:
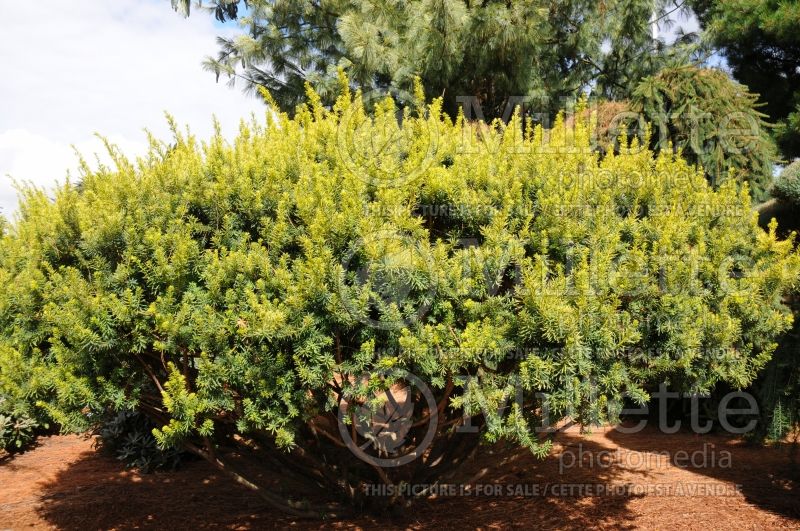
(542, 52)
(761, 43)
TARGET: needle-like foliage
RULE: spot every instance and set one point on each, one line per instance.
(244, 292)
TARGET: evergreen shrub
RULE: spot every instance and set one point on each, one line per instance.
(261, 296)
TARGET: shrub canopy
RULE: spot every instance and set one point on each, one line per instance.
(243, 289)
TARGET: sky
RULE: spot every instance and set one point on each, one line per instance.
(75, 68)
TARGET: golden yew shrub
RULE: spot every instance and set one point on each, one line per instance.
(263, 292)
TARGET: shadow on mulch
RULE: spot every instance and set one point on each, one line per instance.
(95, 493)
(66, 484)
(769, 477)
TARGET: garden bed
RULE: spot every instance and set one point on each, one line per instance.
(65, 483)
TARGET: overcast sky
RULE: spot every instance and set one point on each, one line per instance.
(73, 68)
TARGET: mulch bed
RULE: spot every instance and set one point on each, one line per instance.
(636, 481)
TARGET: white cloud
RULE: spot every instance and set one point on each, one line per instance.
(72, 69)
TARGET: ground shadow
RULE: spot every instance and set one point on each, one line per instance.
(68, 485)
(768, 476)
(565, 490)
(96, 492)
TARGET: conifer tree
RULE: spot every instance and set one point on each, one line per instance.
(714, 122)
(493, 50)
(761, 43)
